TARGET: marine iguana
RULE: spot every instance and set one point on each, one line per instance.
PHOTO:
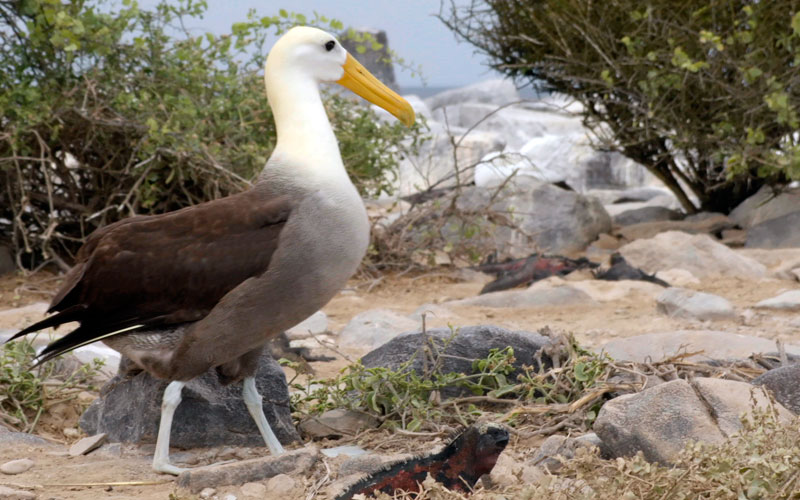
(458, 466)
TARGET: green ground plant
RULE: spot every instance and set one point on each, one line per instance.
(27, 394)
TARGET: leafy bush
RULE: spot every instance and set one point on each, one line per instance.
(703, 94)
(108, 114)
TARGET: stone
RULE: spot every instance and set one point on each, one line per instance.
(678, 277)
(17, 466)
(766, 204)
(690, 304)
(564, 295)
(20, 317)
(698, 254)
(373, 328)
(717, 345)
(611, 291)
(728, 400)
(207, 492)
(556, 449)
(538, 215)
(280, 484)
(782, 382)
(210, 414)
(293, 462)
(645, 214)
(780, 232)
(11, 439)
(643, 230)
(87, 445)
(230, 496)
(434, 311)
(255, 490)
(338, 422)
(316, 324)
(496, 91)
(462, 346)
(787, 301)
(660, 421)
(7, 493)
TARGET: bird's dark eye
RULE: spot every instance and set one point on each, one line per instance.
(330, 45)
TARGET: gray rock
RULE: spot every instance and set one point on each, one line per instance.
(713, 344)
(375, 327)
(515, 124)
(646, 214)
(11, 439)
(556, 449)
(765, 205)
(378, 62)
(281, 484)
(7, 493)
(640, 194)
(497, 91)
(689, 304)
(660, 421)
(210, 414)
(783, 384)
(462, 346)
(715, 224)
(254, 490)
(294, 462)
(698, 254)
(87, 445)
(543, 216)
(563, 295)
(779, 232)
(787, 301)
(315, 324)
(338, 422)
(207, 492)
(17, 466)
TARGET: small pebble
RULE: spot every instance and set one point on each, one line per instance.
(255, 490)
(229, 496)
(87, 444)
(71, 432)
(280, 484)
(208, 493)
(16, 466)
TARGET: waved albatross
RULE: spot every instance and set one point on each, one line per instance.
(207, 286)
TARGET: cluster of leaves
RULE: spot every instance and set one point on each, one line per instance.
(411, 400)
(25, 394)
(108, 111)
(703, 94)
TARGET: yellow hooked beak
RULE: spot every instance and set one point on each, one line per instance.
(363, 83)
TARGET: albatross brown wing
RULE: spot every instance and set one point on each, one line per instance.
(165, 269)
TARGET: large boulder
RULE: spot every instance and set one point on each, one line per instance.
(710, 344)
(374, 327)
(766, 204)
(778, 232)
(551, 296)
(646, 214)
(516, 125)
(210, 414)
(713, 224)
(496, 91)
(662, 420)
(700, 254)
(460, 347)
(538, 216)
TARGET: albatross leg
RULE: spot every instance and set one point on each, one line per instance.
(253, 401)
(172, 398)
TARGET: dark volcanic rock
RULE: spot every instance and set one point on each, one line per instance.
(461, 348)
(210, 414)
(783, 384)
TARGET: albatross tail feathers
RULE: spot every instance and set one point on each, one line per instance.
(79, 337)
(73, 313)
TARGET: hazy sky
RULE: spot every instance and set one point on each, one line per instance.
(413, 31)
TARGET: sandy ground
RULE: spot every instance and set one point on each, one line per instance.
(627, 316)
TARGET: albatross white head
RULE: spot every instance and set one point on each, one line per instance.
(298, 62)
